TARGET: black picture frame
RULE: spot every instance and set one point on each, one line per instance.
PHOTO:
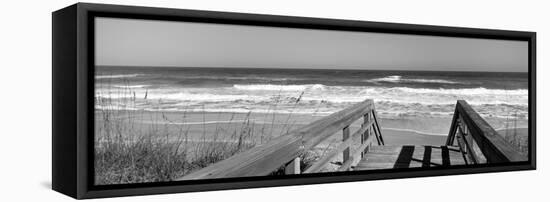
(73, 103)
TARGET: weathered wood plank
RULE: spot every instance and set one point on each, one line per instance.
(257, 161)
(320, 130)
(364, 147)
(378, 132)
(293, 167)
(493, 146)
(390, 157)
(452, 132)
(345, 137)
(434, 157)
(323, 161)
(392, 149)
(467, 157)
(366, 134)
(346, 165)
(319, 164)
(467, 145)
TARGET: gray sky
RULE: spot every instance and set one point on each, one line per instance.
(129, 42)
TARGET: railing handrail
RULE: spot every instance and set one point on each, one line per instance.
(494, 147)
(264, 159)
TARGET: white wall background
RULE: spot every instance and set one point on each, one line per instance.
(25, 99)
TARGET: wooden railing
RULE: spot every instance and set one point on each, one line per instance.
(477, 139)
(286, 150)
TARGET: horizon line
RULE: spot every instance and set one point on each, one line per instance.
(307, 68)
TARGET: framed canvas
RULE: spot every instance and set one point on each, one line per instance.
(157, 100)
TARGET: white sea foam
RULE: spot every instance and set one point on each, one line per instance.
(463, 91)
(319, 99)
(271, 87)
(399, 79)
(331, 94)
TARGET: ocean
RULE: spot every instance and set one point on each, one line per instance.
(312, 91)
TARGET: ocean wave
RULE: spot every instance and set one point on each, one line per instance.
(116, 76)
(315, 93)
(320, 99)
(243, 78)
(462, 91)
(427, 96)
(399, 79)
(272, 87)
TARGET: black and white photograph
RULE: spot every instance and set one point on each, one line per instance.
(275, 100)
(192, 100)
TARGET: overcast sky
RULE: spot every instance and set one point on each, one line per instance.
(129, 42)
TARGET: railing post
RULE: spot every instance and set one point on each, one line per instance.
(465, 142)
(293, 167)
(366, 134)
(345, 136)
(452, 132)
(376, 128)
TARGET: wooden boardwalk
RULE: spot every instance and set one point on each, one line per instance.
(410, 156)
(471, 140)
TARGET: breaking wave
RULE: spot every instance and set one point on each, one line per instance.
(399, 79)
(272, 87)
(321, 99)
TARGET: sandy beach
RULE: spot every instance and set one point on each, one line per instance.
(199, 126)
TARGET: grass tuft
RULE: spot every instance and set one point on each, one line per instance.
(127, 152)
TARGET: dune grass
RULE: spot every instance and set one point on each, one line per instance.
(516, 136)
(127, 152)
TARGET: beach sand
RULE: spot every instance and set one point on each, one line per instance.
(200, 126)
(204, 126)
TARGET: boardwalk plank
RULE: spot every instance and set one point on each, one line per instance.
(410, 156)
